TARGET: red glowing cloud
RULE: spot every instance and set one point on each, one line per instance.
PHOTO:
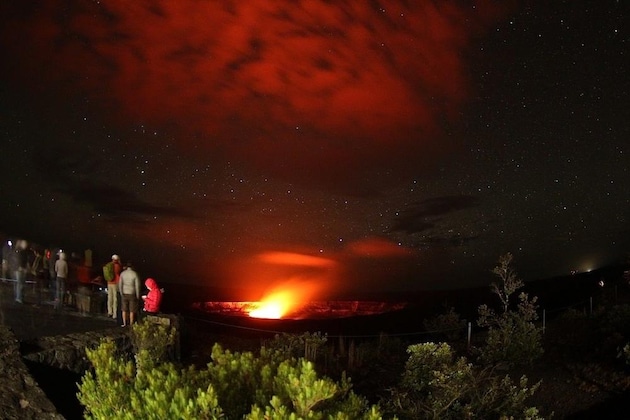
(378, 248)
(295, 259)
(275, 271)
(287, 85)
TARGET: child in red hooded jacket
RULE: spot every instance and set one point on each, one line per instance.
(152, 299)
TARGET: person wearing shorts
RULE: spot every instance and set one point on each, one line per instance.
(129, 289)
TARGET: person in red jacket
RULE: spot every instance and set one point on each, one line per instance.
(152, 299)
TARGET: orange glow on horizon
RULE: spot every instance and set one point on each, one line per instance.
(283, 300)
(274, 306)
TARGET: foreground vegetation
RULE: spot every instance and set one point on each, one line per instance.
(435, 384)
(303, 376)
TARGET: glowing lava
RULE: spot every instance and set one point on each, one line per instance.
(274, 306)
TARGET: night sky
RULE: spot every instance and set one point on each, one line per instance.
(393, 145)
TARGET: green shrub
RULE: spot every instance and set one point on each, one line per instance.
(513, 337)
(438, 385)
(509, 282)
(157, 339)
(616, 320)
(234, 385)
(572, 315)
(118, 388)
(305, 345)
(448, 325)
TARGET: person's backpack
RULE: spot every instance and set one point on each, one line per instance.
(108, 271)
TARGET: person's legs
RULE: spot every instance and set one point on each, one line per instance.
(40, 289)
(61, 291)
(19, 285)
(115, 301)
(58, 294)
(53, 288)
(112, 300)
(62, 283)
(133, 308)
(125, 309)
(15, 274)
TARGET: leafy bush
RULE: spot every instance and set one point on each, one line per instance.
(234, 385)
(616, 320)
(449, 325)
(512, 336)
(305, 345)
(118, 388)
(438, 385)
(157, 339)
(572, 315)
(509, 282)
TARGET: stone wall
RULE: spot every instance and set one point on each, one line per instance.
(20, 396)
(68, 351)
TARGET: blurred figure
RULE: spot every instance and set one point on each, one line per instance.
(87, 258)
(72, 281)
(153, 299)
(111, 274)
(35, 263)
(61, 271)
(51, 257)
(129, 287)
(36, 272)
(21, 256)
(7, 249)
(13, 261)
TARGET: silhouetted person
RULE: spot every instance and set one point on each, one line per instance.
(36, 272)
(129, 287)
(7, 249)
(52, 255)
(13, 261)
(111, 274)
(61, 271)
(21, 255)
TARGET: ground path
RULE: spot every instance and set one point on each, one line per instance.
(30, 320)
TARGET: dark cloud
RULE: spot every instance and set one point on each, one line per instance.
(71, 170)
(117, 204)
(448, 240)
(424, 215)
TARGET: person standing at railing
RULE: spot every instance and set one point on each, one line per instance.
(111, 274)
(7, 249)
(61, 271)
(37, 273)
(51, 258)
(129, 287)
(21, 271)
(13, 261)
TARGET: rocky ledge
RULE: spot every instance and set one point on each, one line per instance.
(20, 395)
